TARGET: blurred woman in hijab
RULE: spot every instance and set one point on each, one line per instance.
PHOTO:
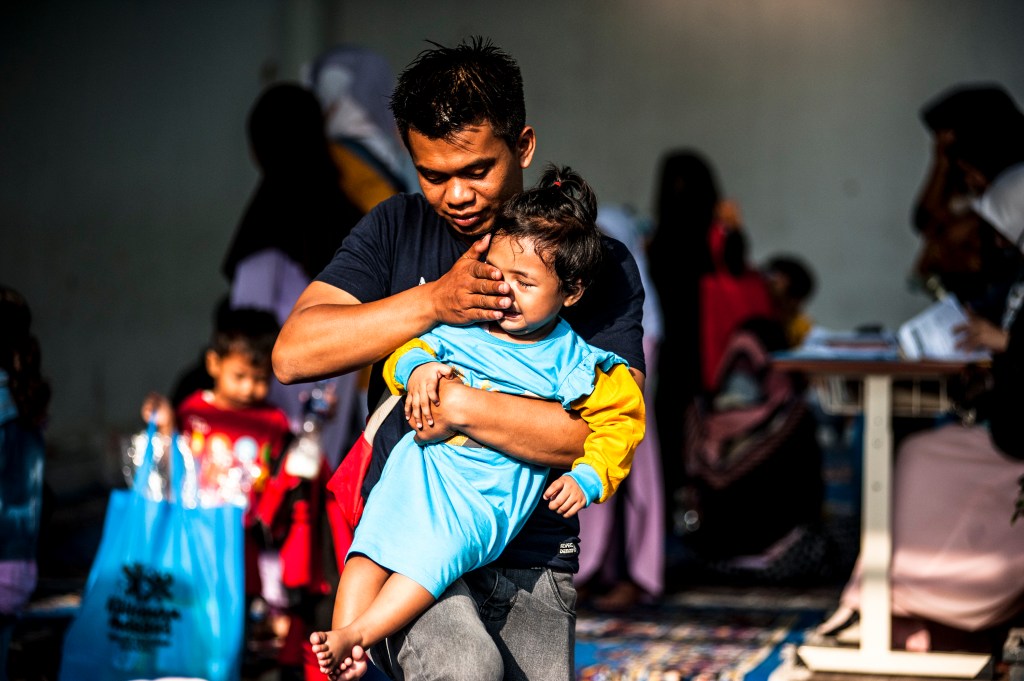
(295, 220)
(956, 573)
(354, 85)
(293, 224)
(698, 265)
(958, 253)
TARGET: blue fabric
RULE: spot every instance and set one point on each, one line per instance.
(457, 509)
(559, 367)
(461, 506)
(588, 480)
(165, 593)
(8, 410)
(22, 453)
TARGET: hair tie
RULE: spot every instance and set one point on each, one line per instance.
(557, 183)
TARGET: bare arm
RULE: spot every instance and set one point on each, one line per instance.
(330, 332)
(980, 334)
(158, 408)
(535, 431)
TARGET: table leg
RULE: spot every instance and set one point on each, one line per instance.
(875, 656)
(876, 497)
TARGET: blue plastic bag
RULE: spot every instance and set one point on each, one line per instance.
(165, 594)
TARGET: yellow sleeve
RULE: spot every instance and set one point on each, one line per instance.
(798, 329)
(394, 386)
(359, 181)
(615, 413)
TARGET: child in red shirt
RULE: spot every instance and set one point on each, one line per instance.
(235, 435)
(239, 441)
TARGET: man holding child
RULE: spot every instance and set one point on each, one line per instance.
(418, 261)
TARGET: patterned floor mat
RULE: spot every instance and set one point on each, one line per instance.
(696, 639)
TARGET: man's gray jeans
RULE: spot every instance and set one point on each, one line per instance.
(493, 624)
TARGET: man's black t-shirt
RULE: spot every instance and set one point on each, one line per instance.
(402, 242)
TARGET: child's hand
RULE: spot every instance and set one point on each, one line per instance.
(421, 392)
(157, 407)
(565, 496)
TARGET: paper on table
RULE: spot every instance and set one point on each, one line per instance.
(822, 343)
(930, 335)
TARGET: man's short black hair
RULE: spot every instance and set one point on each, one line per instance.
(247, 331)
(446, 89)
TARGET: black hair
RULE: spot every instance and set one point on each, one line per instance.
(966, 105)
(987, 125)
(687, 197)
(801, 282)
(559, 214)
(298, 207)
(445, 89)
(20, 359)
(247, 331)
(287, 131)
(687, 189)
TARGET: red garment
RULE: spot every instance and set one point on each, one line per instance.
(222, 439)
(347, 482)
(294, 520)
(346, 487)
(726, 301)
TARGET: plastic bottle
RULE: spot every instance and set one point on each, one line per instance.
(306, 452)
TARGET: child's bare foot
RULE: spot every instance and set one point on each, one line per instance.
(358, 665)
(338, 653)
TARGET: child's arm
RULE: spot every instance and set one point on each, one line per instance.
(421, 391)
(158, 407)
(414, 369)
(614, 410)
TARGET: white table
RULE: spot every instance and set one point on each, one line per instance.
(875, 654)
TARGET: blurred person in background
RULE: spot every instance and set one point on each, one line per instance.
(24, 399)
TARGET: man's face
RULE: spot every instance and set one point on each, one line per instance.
(467, 179)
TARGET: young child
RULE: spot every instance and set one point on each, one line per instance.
(444, 509)
(791, 285)
(235, 435)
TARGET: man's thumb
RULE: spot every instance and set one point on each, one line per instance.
(479, 247)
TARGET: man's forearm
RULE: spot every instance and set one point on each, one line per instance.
(329, 332)
(532, 430)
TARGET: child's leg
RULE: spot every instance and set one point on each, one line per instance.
(361, 581)
(398, 602)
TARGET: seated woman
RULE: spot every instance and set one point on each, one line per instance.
(958, 561)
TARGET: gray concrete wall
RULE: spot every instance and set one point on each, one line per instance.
(124, 165)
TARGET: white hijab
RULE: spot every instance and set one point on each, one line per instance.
(354, 85)
(1002, 204)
